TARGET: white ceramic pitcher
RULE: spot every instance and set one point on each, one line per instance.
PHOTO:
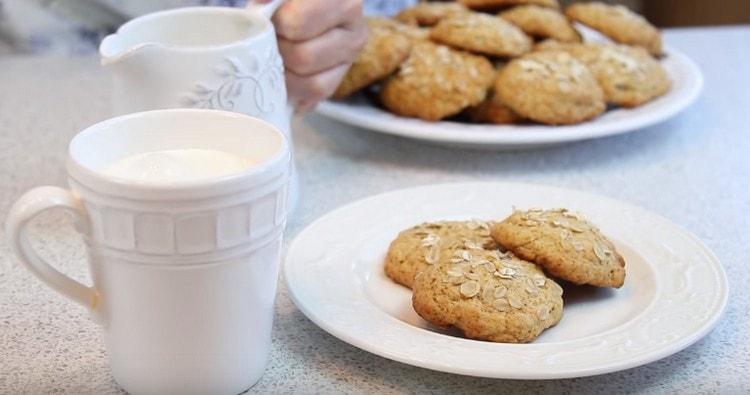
(217, 58)
(200, 57)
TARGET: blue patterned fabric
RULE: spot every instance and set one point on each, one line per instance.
(386, 7)
(72, 27)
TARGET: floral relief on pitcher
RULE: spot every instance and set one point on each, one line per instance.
(258, 83)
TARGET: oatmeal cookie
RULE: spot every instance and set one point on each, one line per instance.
(437, 82)
(488, 295)
(384, 51)
(491, 5)
(550, 87)
(565, 244)
(410, 31)
(424, 245)
(628, 75)
(550, 45)
(429, 14)
(618, 23)
(493, 110)
(482, 33)
(542, 22)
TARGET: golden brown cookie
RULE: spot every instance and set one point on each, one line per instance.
(491, 5)
(429, 14)
(550, 45)
(565, 244)
(378, 22)
(414, 33)
(542, 22)
(384, 51)
(550, 87)
(424, 245)
(437, 82)
(410, 31)
(493, 110)
(488, 296)
(618, 23)
(628, 75)
(482, 33)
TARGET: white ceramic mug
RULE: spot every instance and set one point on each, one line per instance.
(184, 275)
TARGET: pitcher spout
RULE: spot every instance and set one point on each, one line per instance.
(114, 49)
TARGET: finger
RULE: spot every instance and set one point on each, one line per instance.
(307, 91)
(299, 20)
(330, 49)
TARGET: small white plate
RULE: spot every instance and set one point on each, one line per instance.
(674, 293)
(687, 83)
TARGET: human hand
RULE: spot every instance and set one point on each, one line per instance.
(319, 40)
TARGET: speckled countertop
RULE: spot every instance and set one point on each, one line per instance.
(694, 170)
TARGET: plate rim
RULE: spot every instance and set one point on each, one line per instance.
(510, 135)
(381, 351)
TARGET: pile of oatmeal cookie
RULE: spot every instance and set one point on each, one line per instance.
(494, 281)
(508, 61)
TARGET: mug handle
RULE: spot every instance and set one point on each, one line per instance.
(28, 207)
(265, 9)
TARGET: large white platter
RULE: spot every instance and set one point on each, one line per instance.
(687, 84)
(674, 293)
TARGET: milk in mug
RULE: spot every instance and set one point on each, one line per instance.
(177, 166)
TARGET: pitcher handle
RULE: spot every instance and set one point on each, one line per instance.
(28, 207)
(266, 9)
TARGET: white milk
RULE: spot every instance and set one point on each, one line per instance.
(175, 166)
